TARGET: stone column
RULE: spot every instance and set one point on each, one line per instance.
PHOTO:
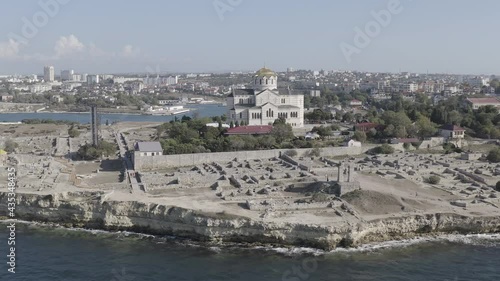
(341, 173)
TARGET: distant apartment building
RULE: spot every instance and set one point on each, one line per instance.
(427, 87)
(382, 84)
(408, 87)
(49, 74)
(92, 79)
(315, 93)
(123, 80)
(107, 76)
(160, 81)
(368, 85)
(40, 88)
(451, 89)
(70, 86)
(478, 82)
(67, 75)
(77, 78)
(172, 80)
(137, 87)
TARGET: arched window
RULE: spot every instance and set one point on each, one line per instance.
(266, 81)
(261, 81)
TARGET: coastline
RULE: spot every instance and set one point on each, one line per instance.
(104, 111)
(465, 239)
(68, 112)
(76, 210)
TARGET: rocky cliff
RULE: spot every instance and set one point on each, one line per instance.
(91, 210)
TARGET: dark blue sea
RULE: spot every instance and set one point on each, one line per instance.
(52, 253)
(202, 110)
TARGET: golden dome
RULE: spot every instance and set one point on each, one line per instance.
(265, 72)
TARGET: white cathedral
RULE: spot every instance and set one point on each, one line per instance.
(264, 103)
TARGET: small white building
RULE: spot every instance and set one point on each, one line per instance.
(312, 136)
(57, 98)
(148, 149)
(353, 143)
(216, 125)
(356, 103)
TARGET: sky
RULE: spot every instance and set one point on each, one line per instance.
(162, 36)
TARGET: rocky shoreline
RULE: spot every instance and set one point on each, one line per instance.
(91, 210)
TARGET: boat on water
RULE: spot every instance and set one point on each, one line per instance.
(168, 112)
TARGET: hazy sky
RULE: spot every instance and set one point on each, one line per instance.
(454, 36)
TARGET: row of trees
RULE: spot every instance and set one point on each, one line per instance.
(407, 118)
(193, 136)
(482, 123)
(91, 152)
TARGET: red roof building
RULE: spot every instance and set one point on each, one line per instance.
(250, 130)
(478, 102)
(365, 127)
(452, 132)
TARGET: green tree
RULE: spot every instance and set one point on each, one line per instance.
(90, 152)
(73, 133)
(10, 146)
(266, 142)
(434, 179)
(322, 131)
(383, 149)
(360, 136)
(425, 128)
(282, 132)
(494, 155)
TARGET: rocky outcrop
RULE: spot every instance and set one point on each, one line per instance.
(91, 210)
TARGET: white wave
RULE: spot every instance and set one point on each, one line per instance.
(291, 251)
(469, 239)
(215, 249)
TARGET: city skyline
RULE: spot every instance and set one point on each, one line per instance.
(222, 36)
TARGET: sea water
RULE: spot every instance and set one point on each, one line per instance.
(55, 253)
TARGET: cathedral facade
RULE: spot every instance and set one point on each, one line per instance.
(264, 103)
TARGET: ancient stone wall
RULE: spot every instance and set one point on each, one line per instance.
(145, 163)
